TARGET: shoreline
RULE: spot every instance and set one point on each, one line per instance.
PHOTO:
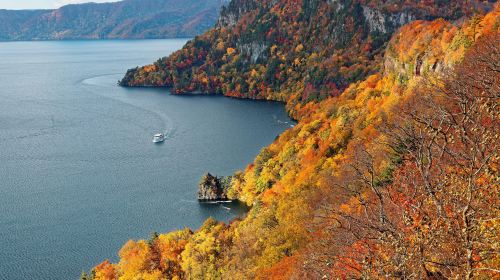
(199, 93)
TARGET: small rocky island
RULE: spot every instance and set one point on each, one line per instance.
(213, 188)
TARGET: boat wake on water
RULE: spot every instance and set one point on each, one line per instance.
(107, 81)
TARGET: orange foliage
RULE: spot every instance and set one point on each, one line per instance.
(283, 270)
(105, 271)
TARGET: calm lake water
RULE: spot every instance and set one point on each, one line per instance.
(79, 175)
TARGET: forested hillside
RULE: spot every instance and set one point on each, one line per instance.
(128, 19)
(292, 51)
(392, 169)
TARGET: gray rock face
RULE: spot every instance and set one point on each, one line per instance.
(212, 188)
(230, 14)
(386, 22)
(254, 50)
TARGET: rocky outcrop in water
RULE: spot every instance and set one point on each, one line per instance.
(213, 188)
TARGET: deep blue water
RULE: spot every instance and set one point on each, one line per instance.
(79, 175)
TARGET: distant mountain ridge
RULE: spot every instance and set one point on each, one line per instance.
(128, 19)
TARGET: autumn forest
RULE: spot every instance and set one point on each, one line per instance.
(392, 169)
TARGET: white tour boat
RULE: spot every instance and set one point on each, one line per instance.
(157, 138)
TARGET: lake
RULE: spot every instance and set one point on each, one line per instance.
(79, 174)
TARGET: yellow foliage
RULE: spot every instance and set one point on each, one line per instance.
(273, 49)
(220, 45)
(134, 259)
(299, 48)
(149, 68)
(154, 275)
(230, 51)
